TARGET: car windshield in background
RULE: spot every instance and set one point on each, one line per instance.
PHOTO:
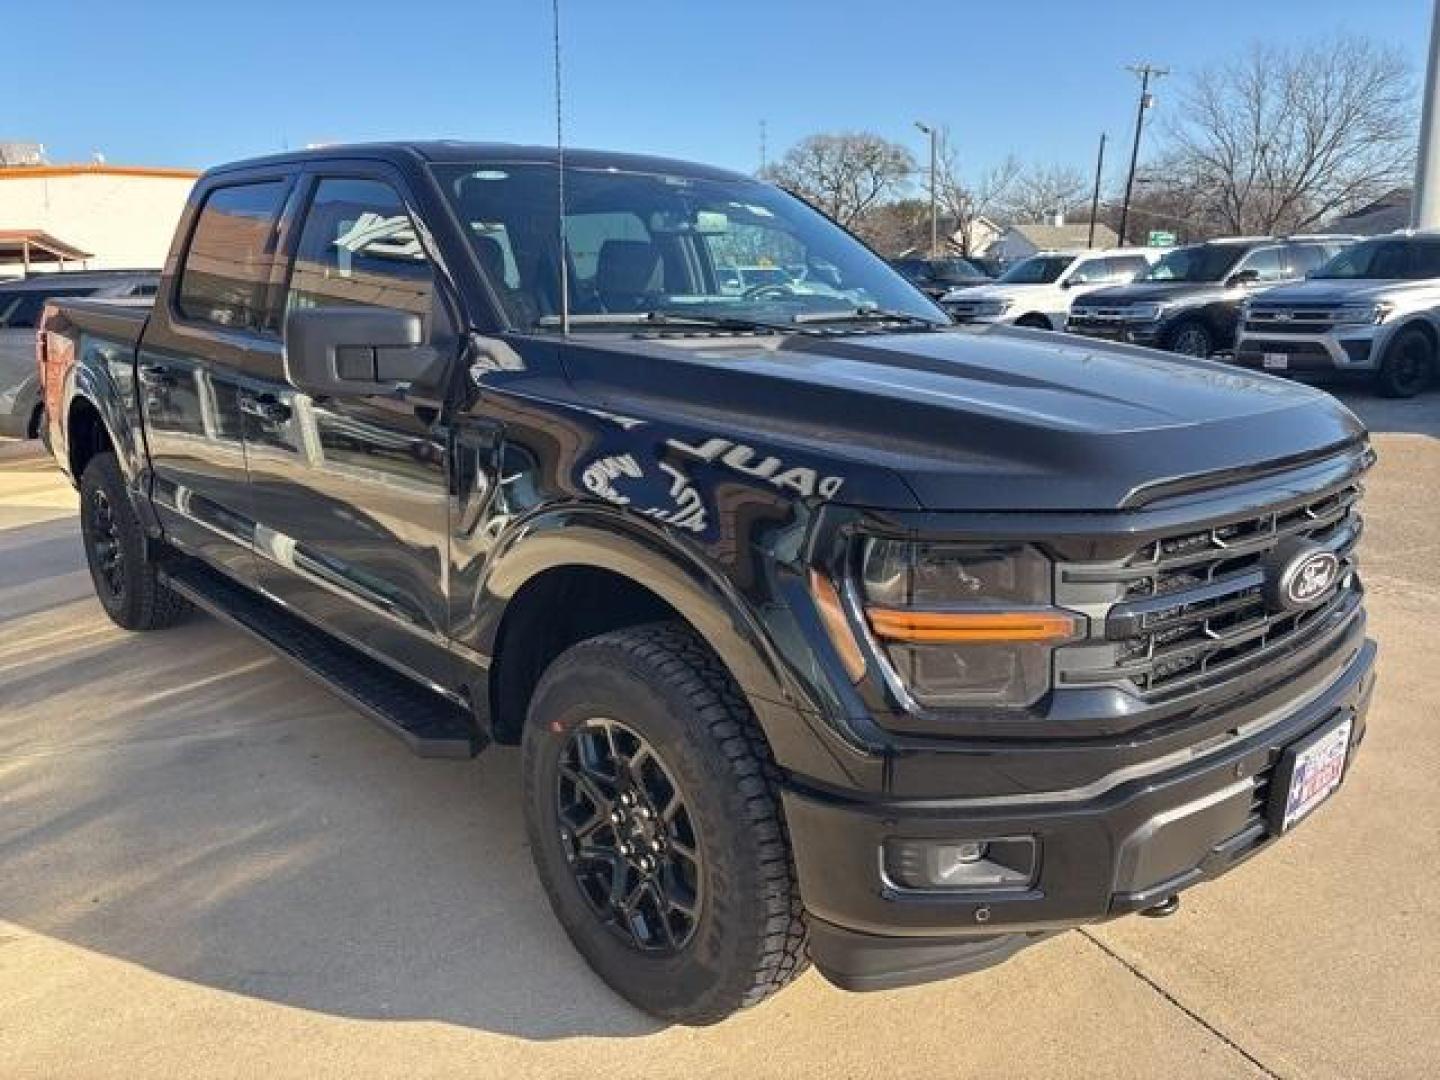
(1037, 270)
(1195, 264)
(1388, 259)
(666, 247)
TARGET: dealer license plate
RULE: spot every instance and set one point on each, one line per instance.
(1276, 361)
(1308, 774)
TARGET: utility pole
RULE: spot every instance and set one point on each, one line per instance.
(1425, 205)
(1146, 73)
(1095, 196)
(929, 129)
(763, 148)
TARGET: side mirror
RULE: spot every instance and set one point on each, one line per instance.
(1064, 284)
(355, 351)
(1243, 277)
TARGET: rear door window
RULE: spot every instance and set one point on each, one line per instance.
(226, 275)
(1266, 262)
(1425, 260)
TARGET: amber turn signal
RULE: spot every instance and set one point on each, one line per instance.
(832, 614)
(977, 627)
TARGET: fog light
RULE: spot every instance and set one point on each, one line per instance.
(961, 865)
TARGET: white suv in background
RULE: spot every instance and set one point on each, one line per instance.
(1038, 291)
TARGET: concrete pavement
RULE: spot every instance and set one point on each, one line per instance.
(213, 868)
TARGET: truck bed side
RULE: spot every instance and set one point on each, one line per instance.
(86, 351)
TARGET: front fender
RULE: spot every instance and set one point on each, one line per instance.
(739, 628)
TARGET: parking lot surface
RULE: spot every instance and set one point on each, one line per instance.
(213, 868)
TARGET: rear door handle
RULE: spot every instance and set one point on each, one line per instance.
(156, 375)
(265, 407)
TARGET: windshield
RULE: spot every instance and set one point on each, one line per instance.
(1037, 270)
(1203, 262)
(1384, 259)
(681, 246)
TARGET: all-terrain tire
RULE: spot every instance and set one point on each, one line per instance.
(125, 577)
(664, 686)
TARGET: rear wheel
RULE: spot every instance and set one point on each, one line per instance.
(125, 577)
(1035, 321)
(656, 828)
(1192, 338)
(1409, 364)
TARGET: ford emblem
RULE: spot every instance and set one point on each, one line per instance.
(1299, 575)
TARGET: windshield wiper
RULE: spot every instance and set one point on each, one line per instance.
(866, 315)
(665, 318)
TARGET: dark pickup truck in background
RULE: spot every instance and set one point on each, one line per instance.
(1189, 302)
(831, 632)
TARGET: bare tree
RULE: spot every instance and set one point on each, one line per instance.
(965, 204)
(897, 228)
(1043, 190)
(844, 175)
(1284, 138)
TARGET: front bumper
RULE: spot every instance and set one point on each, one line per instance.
(1337, 352)
(1120, 844)
(1130, 333)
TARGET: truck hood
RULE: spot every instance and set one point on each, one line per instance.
(994, 419)
(1149, 292)
(1349, 290)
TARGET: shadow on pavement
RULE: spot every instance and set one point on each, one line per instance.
(186, 802)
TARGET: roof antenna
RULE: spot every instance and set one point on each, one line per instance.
(560, 161)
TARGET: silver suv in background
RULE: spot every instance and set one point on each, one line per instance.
(1374, 309)
(21, 302)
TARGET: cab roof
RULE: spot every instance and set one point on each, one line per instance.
(487, 153)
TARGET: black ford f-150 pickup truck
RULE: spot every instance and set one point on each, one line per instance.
(831, 632)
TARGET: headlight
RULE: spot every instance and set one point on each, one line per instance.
(963, 624)
(1146, 312)
(1362, 314)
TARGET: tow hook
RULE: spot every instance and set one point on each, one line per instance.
(1164, 909)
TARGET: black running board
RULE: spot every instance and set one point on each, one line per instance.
(429, 723)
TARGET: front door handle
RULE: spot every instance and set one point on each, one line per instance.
(266, 408)
(156, 375)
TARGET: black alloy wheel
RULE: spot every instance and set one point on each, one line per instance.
(629, 837)
(109, 553)
(1409, 365)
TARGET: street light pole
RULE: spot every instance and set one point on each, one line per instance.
(934, 206)
(1145, 71)
(1425, 204)
(1095, 195)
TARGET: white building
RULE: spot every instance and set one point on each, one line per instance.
(101, 216)
(1022, 241)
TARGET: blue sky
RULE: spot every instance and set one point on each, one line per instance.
(194, 82)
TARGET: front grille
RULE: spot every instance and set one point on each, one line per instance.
(1191, 608)
(970, 309)
(1100, 314)
(1289, 348)
(1289, 320)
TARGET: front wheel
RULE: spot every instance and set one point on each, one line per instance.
(1409, 364)
(1192, 338)
(125, 577)
(656, 827)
